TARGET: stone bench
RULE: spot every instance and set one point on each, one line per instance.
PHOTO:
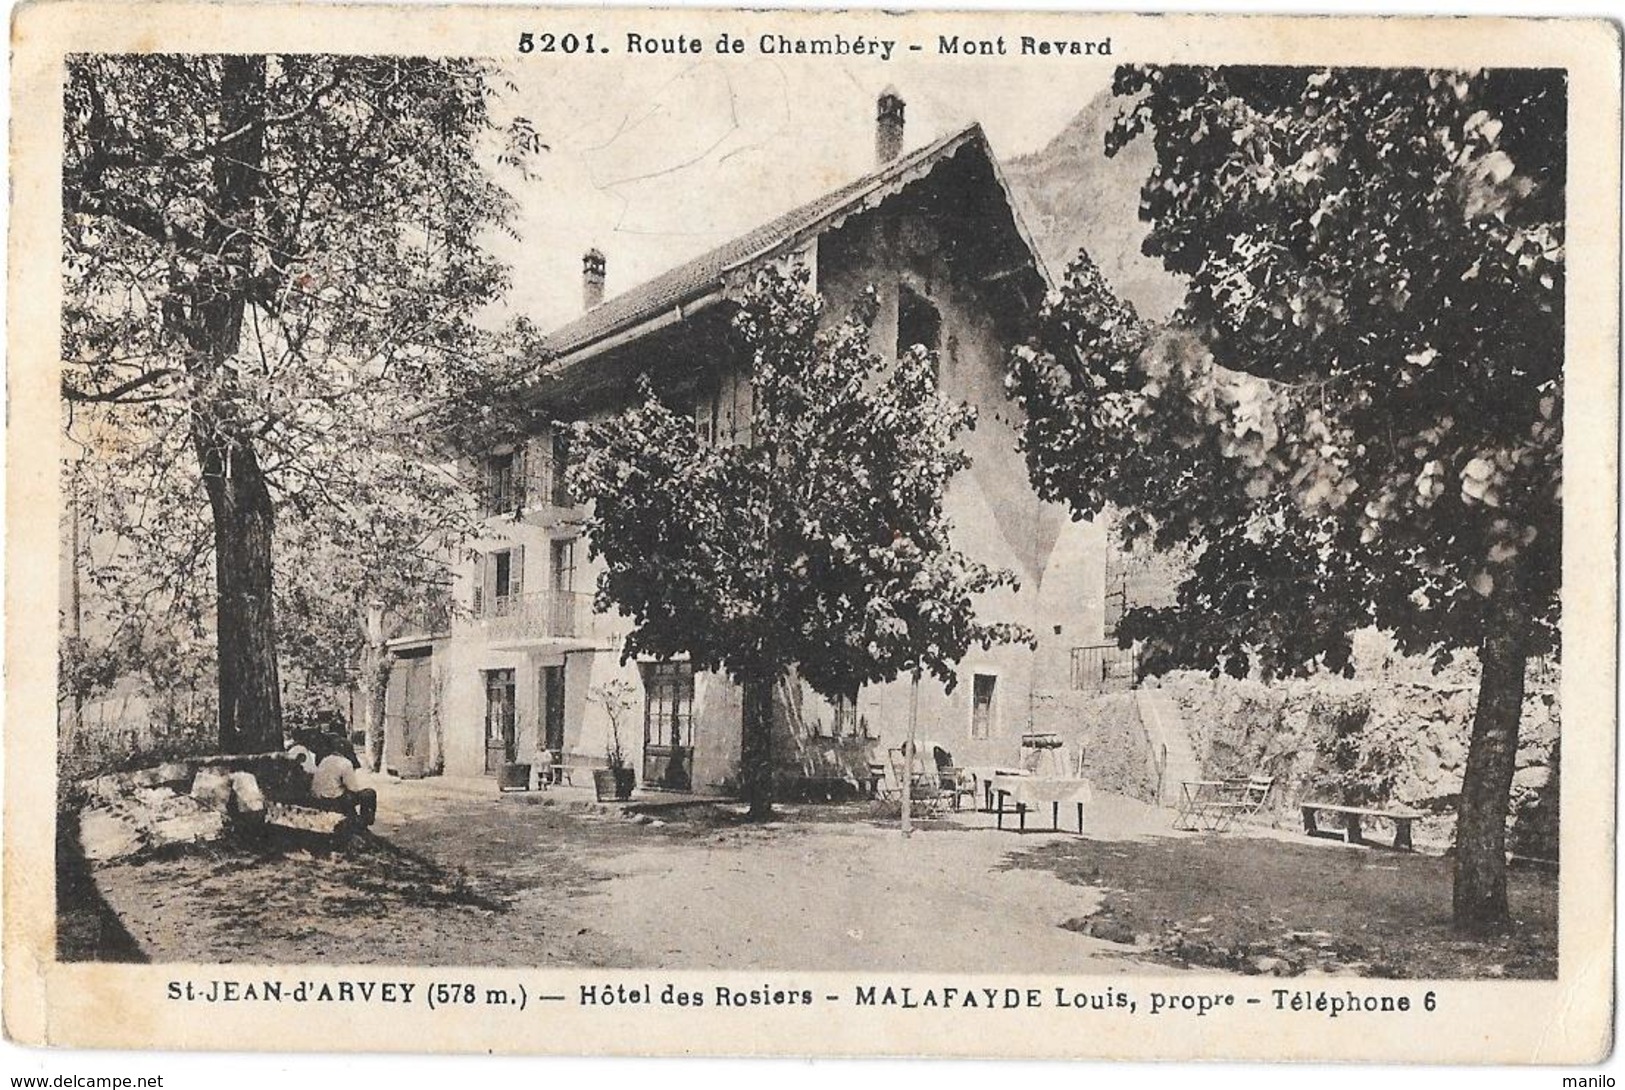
(1352, 815)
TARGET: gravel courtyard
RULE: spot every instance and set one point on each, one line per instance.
(459, 875)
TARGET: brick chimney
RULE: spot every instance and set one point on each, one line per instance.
(592, 278)
(888, 127)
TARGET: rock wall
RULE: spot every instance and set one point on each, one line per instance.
(1374, 741)
(179, 802)
(1106, 728)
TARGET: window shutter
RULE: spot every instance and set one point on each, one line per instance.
(488, 579)
(561, 461)
(536, 477)
(521, 465)
(516, 570)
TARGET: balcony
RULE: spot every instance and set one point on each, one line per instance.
(544, 615)
(1104, 668)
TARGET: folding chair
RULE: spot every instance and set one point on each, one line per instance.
(924, 786)
(1249, 794)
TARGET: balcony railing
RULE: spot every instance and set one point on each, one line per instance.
(1104, 668)
(547, 614)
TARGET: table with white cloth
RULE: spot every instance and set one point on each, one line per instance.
(1030, 792)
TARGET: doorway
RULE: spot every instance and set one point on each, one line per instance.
(499, 721)
(668, 725)
(417, 706)
(409, 711)
(553, 709)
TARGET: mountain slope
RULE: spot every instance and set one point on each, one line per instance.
(1072, 196)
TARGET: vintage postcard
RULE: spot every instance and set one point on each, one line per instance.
(671, 531)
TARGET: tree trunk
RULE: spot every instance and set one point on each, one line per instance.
(1479, 902)
(250, 697)
(756, 745)
(377, 675)
(239, 498)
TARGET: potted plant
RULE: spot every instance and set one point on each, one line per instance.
(615, 782)
(514, 776)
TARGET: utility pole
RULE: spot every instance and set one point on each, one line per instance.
(908, 751)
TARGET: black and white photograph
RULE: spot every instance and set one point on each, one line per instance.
(867, 507)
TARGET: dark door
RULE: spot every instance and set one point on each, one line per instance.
(499, 730)
(553, 708)
(668, 725)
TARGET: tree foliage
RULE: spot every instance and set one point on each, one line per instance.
(821, 544)
(1357, 417)
(272, 270)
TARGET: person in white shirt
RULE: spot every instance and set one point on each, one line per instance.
(336, 781)
(335, 784)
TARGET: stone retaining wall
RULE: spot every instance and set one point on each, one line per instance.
(1413, 737)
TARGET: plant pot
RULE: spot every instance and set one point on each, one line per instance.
(613, 784)
(513, 776)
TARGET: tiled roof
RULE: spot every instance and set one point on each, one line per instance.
(694, 278)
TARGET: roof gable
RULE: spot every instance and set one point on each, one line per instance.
(701, 275)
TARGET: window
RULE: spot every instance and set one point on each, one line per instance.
(501, 582)
(668, 704)
(981, 706)
(706, 412)
(564, 565)
(846, 715)
(501, 483)
(561, 459)
(918, 322)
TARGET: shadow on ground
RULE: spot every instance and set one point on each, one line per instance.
(382, 899)
(86, 928)
(1254, 904)
(458, 878)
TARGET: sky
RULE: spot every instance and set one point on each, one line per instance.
(658, 162)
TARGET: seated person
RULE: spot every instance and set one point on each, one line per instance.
(335, 786)
(299, 784)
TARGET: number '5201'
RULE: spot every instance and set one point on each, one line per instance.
(557, 43)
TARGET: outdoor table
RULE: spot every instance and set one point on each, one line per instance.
(1028, 792)
(1202, 803)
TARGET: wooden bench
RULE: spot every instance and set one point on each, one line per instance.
(568, 765)
(1352, 833)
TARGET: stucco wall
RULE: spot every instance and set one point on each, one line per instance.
(998, 520)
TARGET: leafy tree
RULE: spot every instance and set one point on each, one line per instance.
(821, 545)
(1359, 417)
(271, 267)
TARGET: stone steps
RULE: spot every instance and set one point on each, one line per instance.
(1165, 727)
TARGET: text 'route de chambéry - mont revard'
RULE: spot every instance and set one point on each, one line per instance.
(841, 45)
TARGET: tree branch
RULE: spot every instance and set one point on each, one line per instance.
(119, 392)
